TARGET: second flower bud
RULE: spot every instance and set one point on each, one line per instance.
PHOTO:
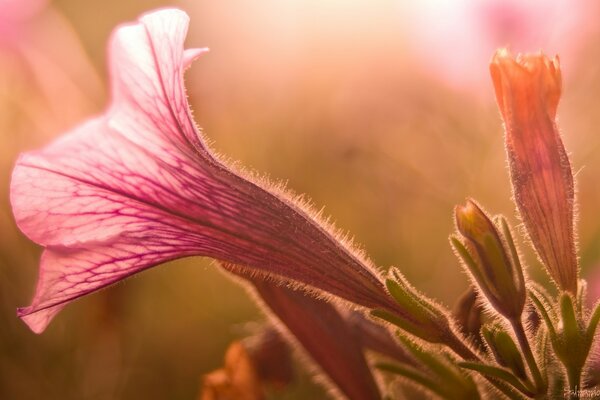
(488, 252)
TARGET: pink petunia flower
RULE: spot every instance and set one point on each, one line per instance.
(138, 186)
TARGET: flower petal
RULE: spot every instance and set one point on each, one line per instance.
(528, 91)
(138, 186)
(324, 335)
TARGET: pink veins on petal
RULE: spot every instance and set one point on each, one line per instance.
(137, 186)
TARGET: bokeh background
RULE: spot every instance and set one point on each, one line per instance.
(381, 112)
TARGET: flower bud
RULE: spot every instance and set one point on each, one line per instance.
(528, 90)
(468, 313)
(505, 350)
(491, 258)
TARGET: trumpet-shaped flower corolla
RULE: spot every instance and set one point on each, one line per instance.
(138, 186)
(528, 90)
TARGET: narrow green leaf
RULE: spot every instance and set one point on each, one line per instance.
(545, 297)
(541, 350)
(569, 318)
(397, 292)
(542, 309)
(454, 383)
(498, 373)
(414, 376)
(581, 298)
(404, 289)
(432, 362)
(472, 266)
(513, 251)
(594, 319)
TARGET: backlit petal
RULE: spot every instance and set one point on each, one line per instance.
(528, 90)
(138, 186)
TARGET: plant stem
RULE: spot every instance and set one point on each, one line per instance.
(540, 383)
(574, 377)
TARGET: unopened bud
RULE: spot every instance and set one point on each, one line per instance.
(468, 313)
(491, 258)
(505, 350)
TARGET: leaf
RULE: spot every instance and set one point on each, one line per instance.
(542, 309)
(498, 373)
(412, 375)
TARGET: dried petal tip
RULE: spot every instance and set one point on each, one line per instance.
(238, 379)
(528, 90)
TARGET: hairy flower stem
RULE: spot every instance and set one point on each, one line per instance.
(540, 384)
(458, 346)
(574, 377)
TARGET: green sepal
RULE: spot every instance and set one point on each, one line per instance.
(581, 298)
(421, 317)
(572, 332)
(541, 346)
(501, 221)
(505, 351)
(542, 294)
(542, 308)
(471, 265)
(573, 342)
(405, 294)
(593, 324)
(573, 347)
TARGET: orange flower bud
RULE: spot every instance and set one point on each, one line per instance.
(528, 90)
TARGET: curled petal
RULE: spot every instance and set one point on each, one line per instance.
(137, 186)
(528, 90)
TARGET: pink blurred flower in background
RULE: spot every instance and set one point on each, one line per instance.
(14, 15)
(454, 39)
(41, 59)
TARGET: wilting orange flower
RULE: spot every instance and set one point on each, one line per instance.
(238, 380)
(528, 90)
